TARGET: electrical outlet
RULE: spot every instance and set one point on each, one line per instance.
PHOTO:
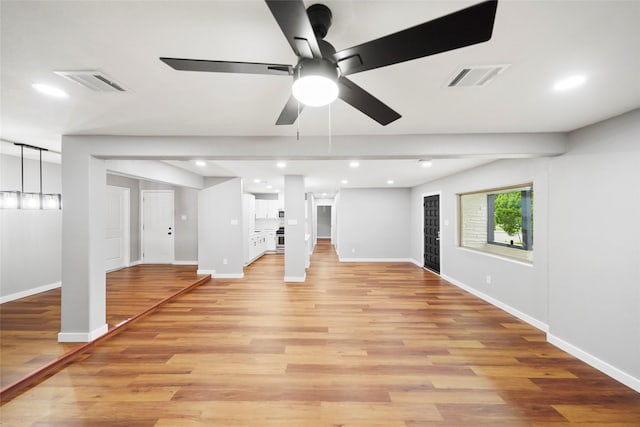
(224, 261)
(488, 279)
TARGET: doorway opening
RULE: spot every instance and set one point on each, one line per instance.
(323, 219)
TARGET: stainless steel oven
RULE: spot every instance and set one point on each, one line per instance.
(280, 240)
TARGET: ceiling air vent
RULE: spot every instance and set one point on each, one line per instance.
(475, 76)
(97, 81)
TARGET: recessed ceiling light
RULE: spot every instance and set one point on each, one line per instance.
(324, 194)
(354, 164)
(390, 181)
(426, 163)
(344, 181)
(257, 181)
(281, 165)
(569, 82)
(201, 163)
(50, 90)
(269, 187)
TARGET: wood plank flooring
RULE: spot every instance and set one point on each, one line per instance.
(362, 344)
(29, 327)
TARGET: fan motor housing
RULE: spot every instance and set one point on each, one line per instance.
(316, 67)
(320, 17)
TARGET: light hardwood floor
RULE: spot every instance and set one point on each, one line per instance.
(29, 326)
(363, 344)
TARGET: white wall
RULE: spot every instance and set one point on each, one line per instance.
(583, 286)
(374, 224)
(334, 220)
(323, 219)
(156, 171)
(30, 242)
(134, 209)
(295, 250)
(185, 204)
(220, 229)
(517, 285)
(186, 225)
(594, 281)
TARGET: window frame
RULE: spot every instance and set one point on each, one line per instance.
(529, 188)
(526, 211)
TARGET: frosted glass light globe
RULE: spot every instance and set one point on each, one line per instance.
(315, 91)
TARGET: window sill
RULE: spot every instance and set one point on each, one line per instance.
(501, 257)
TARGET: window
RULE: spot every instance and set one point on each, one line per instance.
(498, 221)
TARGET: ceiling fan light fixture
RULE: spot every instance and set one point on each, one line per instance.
(315, 83)
(315, 91)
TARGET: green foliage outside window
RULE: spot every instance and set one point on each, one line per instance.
(508, 213)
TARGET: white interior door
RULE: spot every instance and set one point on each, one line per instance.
(116, 228)
(157, 227)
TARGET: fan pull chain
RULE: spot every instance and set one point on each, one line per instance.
(298, 116)
(298, 123)
(330, 130)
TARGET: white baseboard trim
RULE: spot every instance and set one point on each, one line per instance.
(600, 365)
(211, 272)
(132, 263)
(175, 262)
(83, 336)
(227, 275)
(416, 262)
(514, 312)
(29, 292)
(376, 260)
(295, 279)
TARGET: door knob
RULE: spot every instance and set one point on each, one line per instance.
(169, 233)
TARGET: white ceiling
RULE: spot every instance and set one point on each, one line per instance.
(542, 40)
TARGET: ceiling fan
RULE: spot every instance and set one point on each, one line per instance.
(320, 74)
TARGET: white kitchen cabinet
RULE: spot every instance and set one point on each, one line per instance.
(271, 241)
(258, 243)
(262, 208)
(273, 206)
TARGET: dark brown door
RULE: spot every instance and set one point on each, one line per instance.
(432, 233)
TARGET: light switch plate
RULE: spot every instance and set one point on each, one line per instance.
(234, 222)
(292, 222)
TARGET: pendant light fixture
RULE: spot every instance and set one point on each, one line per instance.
(27, 200)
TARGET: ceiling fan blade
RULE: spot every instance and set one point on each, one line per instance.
(227, 66)
(362, 100)
(459, 29)
(290, 112)
(294, 23)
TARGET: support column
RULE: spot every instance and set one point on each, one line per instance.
(83, 311)
(294, 229)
